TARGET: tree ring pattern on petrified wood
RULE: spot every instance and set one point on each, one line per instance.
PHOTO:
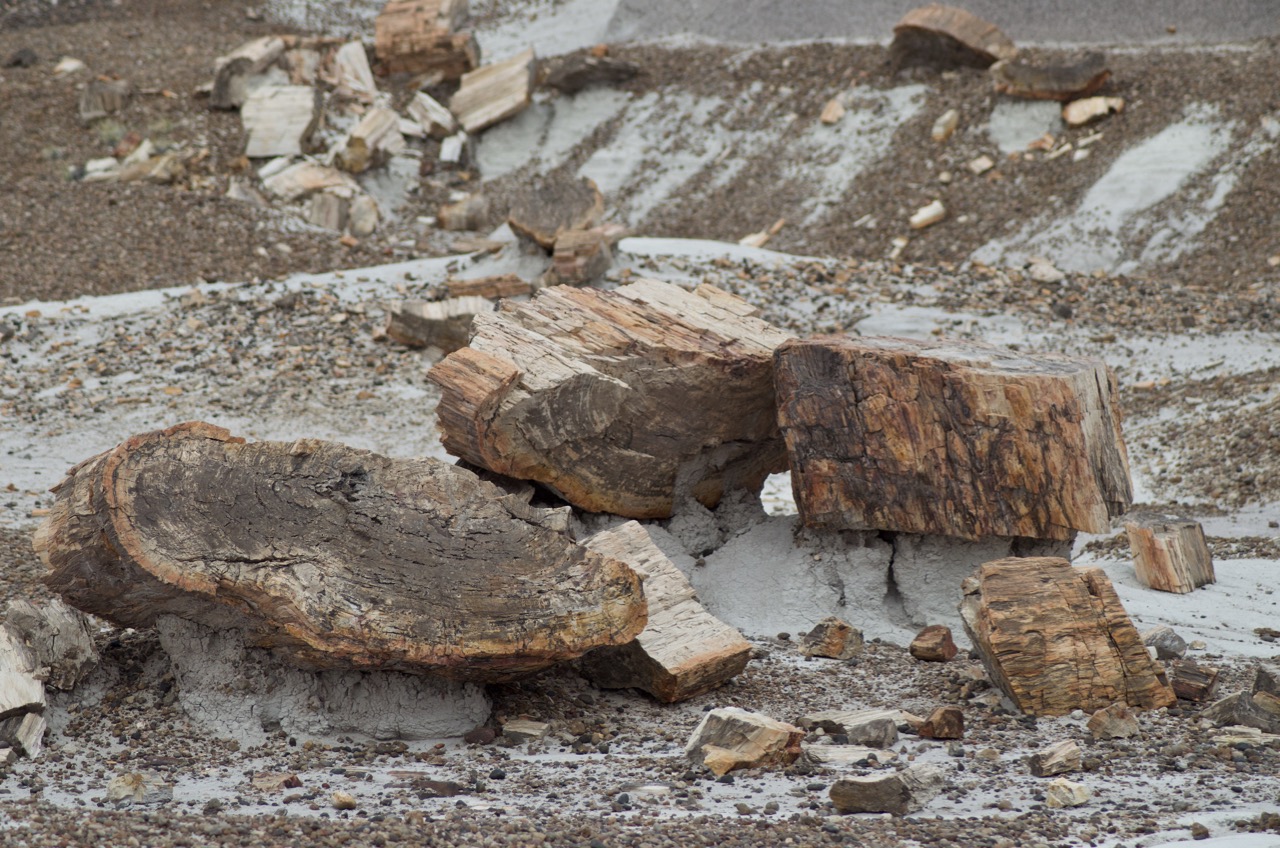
(334, 557)
(625, 402)
(951, 438)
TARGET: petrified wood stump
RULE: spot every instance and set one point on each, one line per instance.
(951, 438)
(624, 402)
(1057, 639)
(337, 558)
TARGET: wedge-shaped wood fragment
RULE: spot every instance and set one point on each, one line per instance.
(279, 120)
(306, 178)
(436, 121)
(1057, 639)
(231, 71)
(732, 738)
(1170, 553)
(684, 650)
(1059, 758)
(1051, 82)
(950, 438)
(374, 140)
(494, 93)
(624, 401)
(421, 37)
(944, 36)
(445, 324)
(1193, 682)
(336, 558)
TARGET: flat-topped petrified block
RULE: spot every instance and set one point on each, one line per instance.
(333, 557)
(950, 438)
(625, 402)
(1056, 638)
(1170, 553)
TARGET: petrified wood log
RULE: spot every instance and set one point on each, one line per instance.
(624, 402)
(684, 650)
(419, 37)
(945, 36)
(337, 558)
(494, 92)
(951, 438)
(1051, 82)
(1170, 554)
(1057, 639)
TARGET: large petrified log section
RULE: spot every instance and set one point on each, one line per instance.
(684, 650)
(624, 402)
(951, 438)
(336, 558)
(1057, 639)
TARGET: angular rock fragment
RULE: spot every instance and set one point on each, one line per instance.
(1078, 113)
(494, 92)
(59, 637)
(279, 120)
(1064, 793)
(142, 788)
(554, 207)
(1168, 644)
(934, 644)
(24, 733)
(470, 213)
(874, 728)
(1170, 554)
(352, 75)
(625, 402)
(951, 438)
(928, 215)
(523, 730)
(445, 324)
(231, 72)
(848, 755)
(436, 120)
(1057, 639)
(944, 36)
(306, 178)
(275, 781)
(1193, 682)
(832, 638)
(898, 793)
(1114, 722)
(332, 557)
(1059, 758)
(421, 37)
(684, 650)
(943, 723)
(581, 257)
(731, 738)
(1258, 710)
(1051, 82)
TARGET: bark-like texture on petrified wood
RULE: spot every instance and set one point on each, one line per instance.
(624, 402)
(1057, 639)
(950, 438)
(335, 557)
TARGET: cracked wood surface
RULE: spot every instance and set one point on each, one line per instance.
(951, 438)
(1056, 638)
(623, 402)
(336, 557)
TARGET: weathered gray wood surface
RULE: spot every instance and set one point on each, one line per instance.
(335, 557)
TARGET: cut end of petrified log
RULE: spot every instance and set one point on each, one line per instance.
(338, 558)
(951, 438)
(1170, 554)
(625, 402)
(1057, 639)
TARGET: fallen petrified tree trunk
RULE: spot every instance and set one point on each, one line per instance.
(951, 438)
(624, 402)
(684, 650)
(1057, 639)
(335, 557)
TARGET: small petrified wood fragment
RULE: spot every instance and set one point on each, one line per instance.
(1193, 682)
(732, 738)
(1057, 639)
(420, 37)
(1051, 82)
(623, 402)
(934, 644)
(944, 36)
(445, 324)
(834, 638)
(943, 723)
(1170, 554)
(554, 207)
(1059, 758)
(335, 557)
(684, 650)
(950, 438)
(897, 793)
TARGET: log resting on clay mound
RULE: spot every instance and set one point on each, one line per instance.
(952, 438)
(626, 402)
(336, 558)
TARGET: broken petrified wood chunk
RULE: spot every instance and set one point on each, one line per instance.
(494, 93)
(279, 120)
(231, 71)
(1051, 82)
(875, 728)
(833, 638)
(1059, 758)
(445, 324)
(898, 793)
(436, 120)
(1259, 710)
(103, 97)
(554, 206)
(1193, 682)
(1078, 113)
(1168, 644)
(1065, 793)
(1057, 639)
(684, 650)
(944, 36)
(951, 438)
(581, 257)
(1114, 722)
(336, 558)
(623, 402)
(732, 738)
(420, 37)
(571, 74)
(374, 140)
(1170, 554)
(934, 644)
(503, 285)
(59, 637)
(943, 723)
